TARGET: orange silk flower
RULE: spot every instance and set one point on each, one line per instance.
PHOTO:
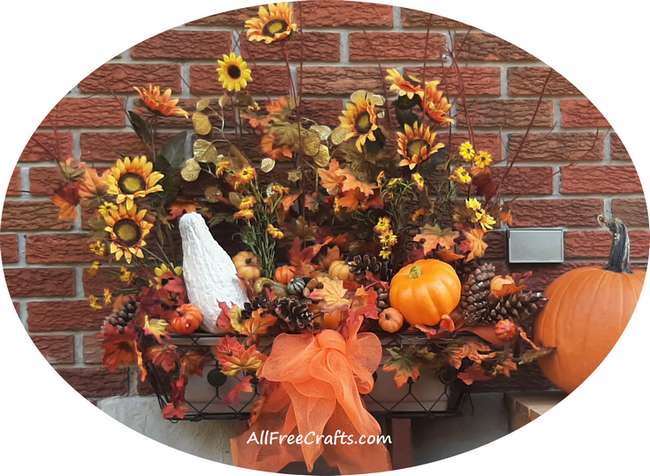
(316, 382)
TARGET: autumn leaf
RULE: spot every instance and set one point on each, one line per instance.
(175, 412)
(180, 207)
(505, 367)
(258, 324)
(471, 349)
(331, 179)
(192, 363)
(473, 244)
(332, 254)
(433, 236)
(406, 362)
(352, 183)
(66, 199)
(332, 293)
(447, 323)
(163, 356)
(233, 357)
(505, 215)
(364, 304)
(475, 373)
(485, 184)
(120, 349)
(157, 328)
(243, 386)
(502, 286)
(448, 255)
(301, 258)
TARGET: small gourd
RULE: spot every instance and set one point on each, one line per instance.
(340, 270)
(261, 283)
(284, 274)
(391, 320)
(186, 320)
(247, 265)
(209, 273)
(296, 286)
(505, 330)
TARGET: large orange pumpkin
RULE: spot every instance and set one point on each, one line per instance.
(587, 311)
(425, 290)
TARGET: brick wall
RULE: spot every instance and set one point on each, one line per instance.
(572, 168)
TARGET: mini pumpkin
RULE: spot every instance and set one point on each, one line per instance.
(424, 291)
(296, 286)
(280, 290)
(284, 274)
(186, 320)
(247, 265)
(505, 330)
(587, 311)
(340, 269)
(391, 320)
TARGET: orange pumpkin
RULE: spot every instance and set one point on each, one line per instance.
(588, 309)
(247, 265)
(284, 274)
(391, 320)
(425, 290)
(187, 319)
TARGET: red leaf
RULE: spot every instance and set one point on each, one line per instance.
(164, 357)
(244, 385)
(174, 412)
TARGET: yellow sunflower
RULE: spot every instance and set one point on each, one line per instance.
(418, 180)
(359, 119)
(234, 73)
(409, 86)
(460, 175)
(161, 103)
(273, 23)
(127, 230)
(416, 145)
(482, 159)
(133, 178)
(435, 104)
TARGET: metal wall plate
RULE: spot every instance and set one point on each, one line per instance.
(536, 245)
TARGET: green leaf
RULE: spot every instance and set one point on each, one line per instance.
(141, 127)
(201, 104)
(174, 150)
(204, 151)
(201, 123)
(191, 170)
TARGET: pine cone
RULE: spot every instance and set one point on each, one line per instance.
(121, 318)
(359, 264)
(474, 302)
(294, 313)
(521, 307)
(259, 302)
(464, 269)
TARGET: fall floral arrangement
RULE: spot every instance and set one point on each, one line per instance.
(336, 239)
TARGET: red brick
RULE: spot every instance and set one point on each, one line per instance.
(110, 146)
(479, 46)
(42, 282)
(340, 81)
(476, 81)
(325, 111)
(340, 14)
(96, 382)
(316, 46)
(105, 278)
(556, 212)
(9, 248)
(58, 249)
(557, 147)
(56, 349)
(86, 112)
(596, 244)
(419, 19)
(526, 180)
(394, 46)
(496, 242)
(266, 80)
(47, 146)
(618, 150)
(176, 44)
(506, 113)
(44, 180)
(57, 316)
(581, 113)
(15, 183)
(92, 349)
(601, 179)
(29, 216)
(529, 81)
(120, 78)
(235, 18)
(634, 212)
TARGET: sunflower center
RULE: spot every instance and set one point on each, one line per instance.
(363, 123)
(274, 27)
(233, 71)
(131, 183)
(127, 231)
(415, 147)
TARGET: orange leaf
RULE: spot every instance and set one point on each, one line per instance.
(258, 324)
(163, 356)
(332, 294)
(434, 236)
(364, 304)
(244, 385)
(448, 255)
(473, 374)
(233, 357)
(66, 199)
(501, 286)
(331, 178)
(180, 207)
(352, 183)
(474, 244)
(192, 363)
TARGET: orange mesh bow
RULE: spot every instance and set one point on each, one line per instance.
(316, 383)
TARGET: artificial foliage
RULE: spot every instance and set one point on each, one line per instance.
(337, 236)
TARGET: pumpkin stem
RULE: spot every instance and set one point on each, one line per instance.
(415, 272)
(619, 256)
